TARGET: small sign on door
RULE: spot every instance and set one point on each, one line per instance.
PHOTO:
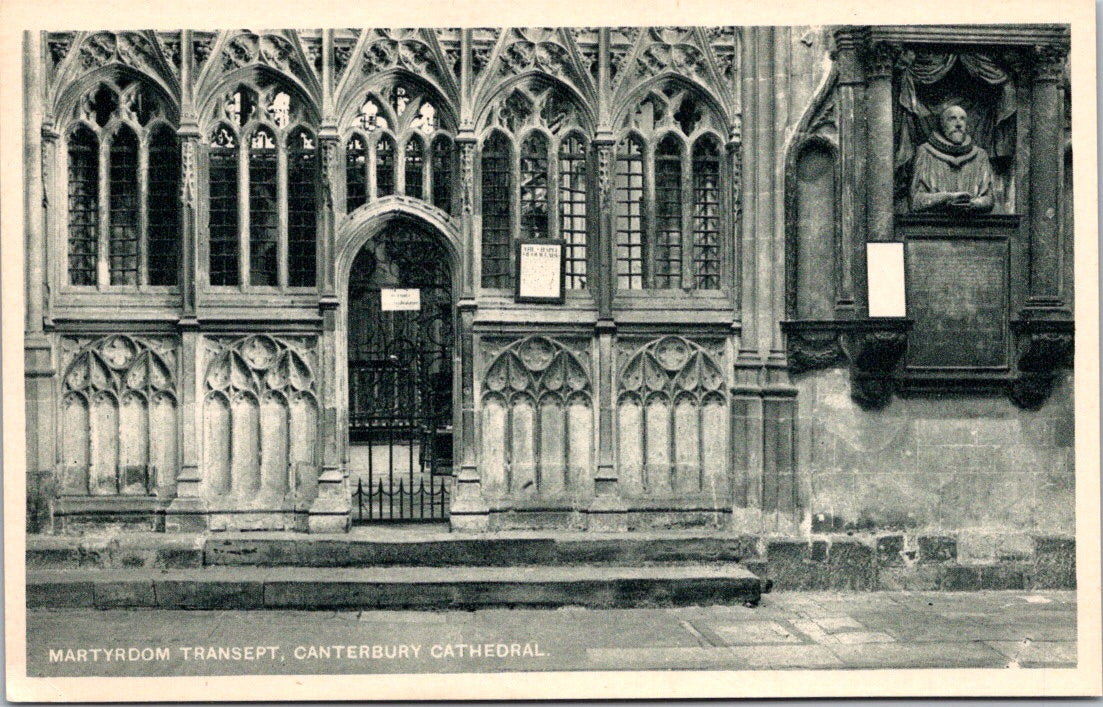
(399, 300)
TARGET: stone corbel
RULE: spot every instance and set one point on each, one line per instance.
(813, 344)
(1043, 347)
(874, 348)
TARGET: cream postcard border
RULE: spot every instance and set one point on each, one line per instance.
(19, 15)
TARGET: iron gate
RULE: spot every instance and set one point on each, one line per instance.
(400, 381)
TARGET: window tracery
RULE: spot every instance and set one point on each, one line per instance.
(534, 157)
(670, 174)
(123, 227)
(398, 142)
(260, 144)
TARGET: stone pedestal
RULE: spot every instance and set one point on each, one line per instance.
(331, 510)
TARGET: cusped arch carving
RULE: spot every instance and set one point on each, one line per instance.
(534, 99)
(118, 417)
(537, 422)
(260, 416)
(237, 56)
(672, 422)
(537, 366)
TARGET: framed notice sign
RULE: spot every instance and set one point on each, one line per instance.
(540, 271)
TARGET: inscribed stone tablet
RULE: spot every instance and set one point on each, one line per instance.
(957, 296)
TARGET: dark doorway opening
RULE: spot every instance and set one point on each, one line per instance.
(400, 344)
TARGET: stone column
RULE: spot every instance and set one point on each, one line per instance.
(38, 154)
(187, 511)
(1046, 288)
(850, 92)
(879, 61)
(330, 511)
(470, 511)
(608, 511)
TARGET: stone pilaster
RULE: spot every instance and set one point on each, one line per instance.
(470, 511)
(1045, 290)
(879, 59)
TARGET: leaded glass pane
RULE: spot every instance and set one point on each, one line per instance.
(496, 187)
(356, 184)
(83, 206)
(163, 259)
(629, 222)
(415, 169)
(534, 186)
(223, 216)
(302, 210)
(263, 209)
(706, 214)
(123, 208)
(572, 209)
(384, 166)
(667, 248)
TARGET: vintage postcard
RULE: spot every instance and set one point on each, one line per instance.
(460, 350)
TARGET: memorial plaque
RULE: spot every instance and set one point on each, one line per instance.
(957, 296)
(539, 271)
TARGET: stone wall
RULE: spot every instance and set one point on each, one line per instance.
(973, 465)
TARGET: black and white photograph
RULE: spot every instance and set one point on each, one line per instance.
(461, 360)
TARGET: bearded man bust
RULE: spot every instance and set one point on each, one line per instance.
(951, 173)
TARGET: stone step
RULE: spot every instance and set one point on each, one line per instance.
(424, 588)
(388, 546)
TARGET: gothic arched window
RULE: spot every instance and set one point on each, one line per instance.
(442, 173)
(415, 168)
(83, 206)
(496, 190)
(121, 124)
(384, 166)
(264, 149)
(534, 186)
(264, 217)
(670, 231)
(534, 179)
(398, 143)
(223, 217)
(572, 208)
(302, 209)
(356, 173)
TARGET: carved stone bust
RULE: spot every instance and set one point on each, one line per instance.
(951, 173)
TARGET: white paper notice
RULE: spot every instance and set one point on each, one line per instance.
(539, 270)
(885, 265)
(396, 300)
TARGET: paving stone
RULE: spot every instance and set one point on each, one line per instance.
(1033, 654)
(861, 637)
(918, 655)
(753, 633)
(172, 594)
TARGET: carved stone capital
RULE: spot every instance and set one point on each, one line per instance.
(1043, 347)
(879, 59)
(1048, 62)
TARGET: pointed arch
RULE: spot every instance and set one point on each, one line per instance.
(572, 195)
(385, 158)
(223, 218)
(165, 243)
(413, 165)
(534, 171)
(302, 208)
(630, 231)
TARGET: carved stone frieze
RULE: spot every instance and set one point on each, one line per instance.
(1043, 348)
(605, 176)
(189, 182)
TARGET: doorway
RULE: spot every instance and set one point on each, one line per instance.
(400, 373)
